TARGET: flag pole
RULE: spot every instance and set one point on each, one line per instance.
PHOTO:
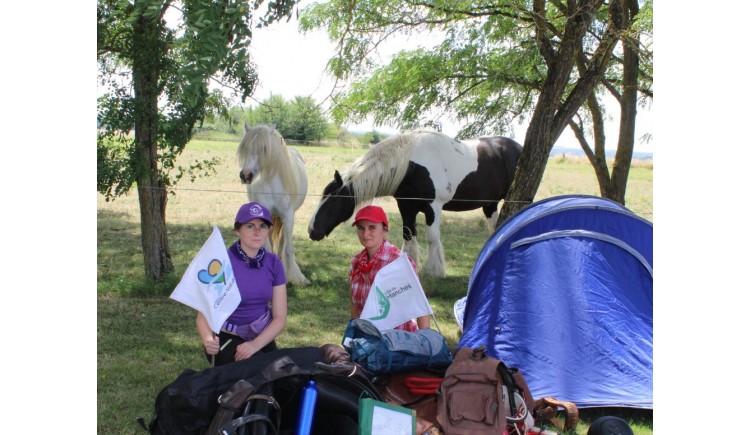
(436, 323)
(209, 286)
(213, 357)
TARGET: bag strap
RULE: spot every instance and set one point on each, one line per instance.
(510, 384)
(229, 402)
(546, 408)
(523, 387)
(238, 425)
(260, 404)
(231, 427)
(354, 372)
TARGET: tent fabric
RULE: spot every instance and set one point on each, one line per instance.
(564, 291)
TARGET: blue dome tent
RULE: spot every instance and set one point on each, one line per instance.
(564, 291)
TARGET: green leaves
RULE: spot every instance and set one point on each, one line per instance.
(486, 72)
(114, 175)
(157, 71)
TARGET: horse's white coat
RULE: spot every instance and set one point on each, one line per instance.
(448, 166)
(279, 183)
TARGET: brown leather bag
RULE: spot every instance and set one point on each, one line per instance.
(547, 409)
(470, 398)
(481, 395)
(395, 390)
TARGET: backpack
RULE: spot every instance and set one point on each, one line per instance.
(393, 350)
(481, 395)
(188, 404)
(285, 398)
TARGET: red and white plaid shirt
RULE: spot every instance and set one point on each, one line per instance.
(362, 274)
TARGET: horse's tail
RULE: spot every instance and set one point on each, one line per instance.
(277, 244)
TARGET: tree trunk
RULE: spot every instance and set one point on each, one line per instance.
(540, 135)
(628, 109)
(552, 113)
(532, 163)
(152, 194)
(597, 157)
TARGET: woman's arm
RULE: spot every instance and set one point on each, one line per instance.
(277, 325)
(352, 306)
(208, 338)
(424, 321)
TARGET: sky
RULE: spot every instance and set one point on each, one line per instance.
(292, 64)
(701, 233)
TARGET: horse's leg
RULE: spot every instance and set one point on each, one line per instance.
(490, 212)
(271, 240)
(409, 218)
(269, 246)
(435, 264)
(293, 273)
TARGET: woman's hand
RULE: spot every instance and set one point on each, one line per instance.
(245, 351)
(211, 345)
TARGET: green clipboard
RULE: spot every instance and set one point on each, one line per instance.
(380, 418)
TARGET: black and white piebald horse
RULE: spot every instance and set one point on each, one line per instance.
(426, 172)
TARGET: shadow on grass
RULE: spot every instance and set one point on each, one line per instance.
(120, 263)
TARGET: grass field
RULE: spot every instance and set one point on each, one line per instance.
(144, 339)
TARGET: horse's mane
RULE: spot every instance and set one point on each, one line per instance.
(277, 159)
(381, 169)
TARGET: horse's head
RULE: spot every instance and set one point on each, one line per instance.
(258, 148)
(336, 206)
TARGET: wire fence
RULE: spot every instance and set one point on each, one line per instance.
(215, 199)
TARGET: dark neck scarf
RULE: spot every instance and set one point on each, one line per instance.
(253, 263)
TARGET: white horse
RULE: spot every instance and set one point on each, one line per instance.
(275, 177)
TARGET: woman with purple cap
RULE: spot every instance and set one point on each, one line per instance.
(261, 315)
(372, 227)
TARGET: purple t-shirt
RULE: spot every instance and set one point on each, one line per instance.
(255, 285)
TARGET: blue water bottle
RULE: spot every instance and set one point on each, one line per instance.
(307, 409)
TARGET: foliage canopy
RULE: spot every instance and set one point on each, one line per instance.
(497, 63)
(156, 58)
(485, 70)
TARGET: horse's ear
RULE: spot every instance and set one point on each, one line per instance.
(247, 127)
(273, 126)
(337, 177)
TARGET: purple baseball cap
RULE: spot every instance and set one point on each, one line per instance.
(250, 211)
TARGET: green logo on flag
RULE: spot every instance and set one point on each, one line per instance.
(384, 305)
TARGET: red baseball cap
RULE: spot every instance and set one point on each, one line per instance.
(372, 213)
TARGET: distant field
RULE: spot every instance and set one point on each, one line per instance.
(577, 152)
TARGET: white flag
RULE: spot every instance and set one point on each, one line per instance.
(396, 296)
(208, 284)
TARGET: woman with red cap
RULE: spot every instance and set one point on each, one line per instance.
(261, 315)
(372, 227)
